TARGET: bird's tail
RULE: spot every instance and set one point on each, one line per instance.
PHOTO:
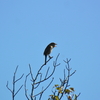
(45, 59)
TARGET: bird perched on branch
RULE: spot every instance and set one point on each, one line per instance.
(48, 50)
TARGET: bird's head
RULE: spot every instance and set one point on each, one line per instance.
(53, 44)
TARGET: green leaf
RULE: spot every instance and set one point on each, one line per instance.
(60, 91)
(67, 91)
(69, 98)
(56, 98)
(72, 89)
(59, 88)
(56, 85)
(52, 95)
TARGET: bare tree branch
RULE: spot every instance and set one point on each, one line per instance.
(14, 83)
(41, 68)
(47, 77)
(55, 65)
(18, 89)
(65, 82)
(61, 90)
(45, 88)
(47, 72)
(31, 73)
(77, 96)
(19, 78)
(41, 94)
(25, 86)
(38, 79)
(8, 87)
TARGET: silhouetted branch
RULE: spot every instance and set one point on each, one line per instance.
(45, 88)
(47, 72)
(25, 86)
(14, 83)
(55, 62)
(38, 82)
(47, 77)
(55, 65)
(65, 82)
(63, 89)
(8, 87)
(19, 89)
(31, 73)
(48, 60)
(38, 79)
(41, 68)
(41, 94)
(77, 96)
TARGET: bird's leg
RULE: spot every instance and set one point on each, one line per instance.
(46, 58)
(50, 56)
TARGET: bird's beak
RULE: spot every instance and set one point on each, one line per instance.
(55, 44)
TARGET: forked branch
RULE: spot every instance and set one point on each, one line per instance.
(14, 83)
(38, 79)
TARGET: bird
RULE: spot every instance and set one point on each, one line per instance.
(48, 50)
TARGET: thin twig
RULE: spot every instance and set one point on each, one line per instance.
(47, 77)
(31, 73)
(36, 84)
(66, 82)
(39, 82)
(77, 96)
(55, 62)
(41, 68)
(55, 65)
(25, 87)
(14, 83)
(45, 88)
(47, 72)
(19, 78)
(41, 94)
(18, 90)
(8, 87)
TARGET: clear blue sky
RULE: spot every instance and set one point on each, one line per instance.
(27, 26)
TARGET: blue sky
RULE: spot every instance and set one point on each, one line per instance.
(27, 27)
